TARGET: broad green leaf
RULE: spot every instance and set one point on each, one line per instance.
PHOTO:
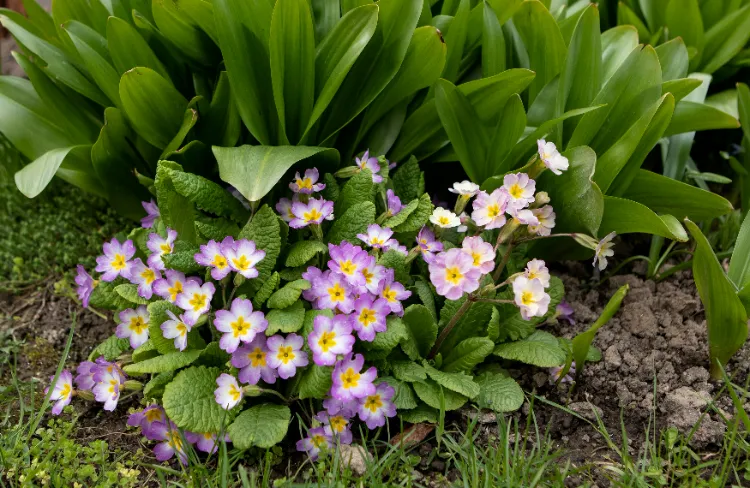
(680, 88)
(667, 196)
(744, 296)
(434, 395)
(403, 397)
(422, 287)
(337, 53)
(243, 30)
(164, 363)
(725, 39)
(509, 130)
(421, 331)
(493, 43)
(221, 124)
(288, 294)
(315, 382)
(626, 216)
(726, 316)
(97, 62)
(684, 21)
(155, 387)
(254, 170)
(69, 163)
(408, 180)
(201, 13)
(376, 67)
(129, 49)
(423, 134)
(180, 30)
(422, 66)
(473, 323)
(157, 315)
(739, 265)
(691, 117)
(394, 334)
(396, 261)
(422, 413)
(403, 215)
(460, 382)
(189, 119)
(130, 293)
(303, 251)
(292, 50)
(176, 210)
(264, 229)
(261, 426)
(499, 393)
(617, 44)
(539, 349)
(265, 291)
(112, 158)
(286, 320)
(213, 356)
(418, 217)
(408, 371)
(104, 296)
(455, 39)
(208, 196)
(153, 106)
(543, 42)
(630, 92)
(111, 348)
(358, 189)
(353, 222)
(467, 354)
(581, 76)
(673, 57)
(626, 16)
(183, 261)
(582, 342)
(327, 14)
(190, 403)
(465, 130)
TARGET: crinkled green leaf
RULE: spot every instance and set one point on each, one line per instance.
(358, 189)
(467, 354)
(213, 356)
(401, 217)
(288, 294)
(404, 395)
(472, 324)
(393, 335)
(422, 413)
(307, 325)
(155, 387)
(157, 312)
(130, 293)
(112, 347)
(408, 180)
(421, 331)
(216, 229)
(209, 196)
(164, 363)
(430, 392)
(177, 211)
(105, 296)
(183, 261)
(147, 350)
(419, 217)
(395, 260)
(408, 371)
(190, 403)
(499, 393)
(303, 251)
(315, 382)
(539, 349)
(425, 294)
(286, 320)
(266, 290)
(265, 231)
(354, 221)
(261, 426)
(459, 382)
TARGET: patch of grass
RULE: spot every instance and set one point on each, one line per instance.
(50, 234)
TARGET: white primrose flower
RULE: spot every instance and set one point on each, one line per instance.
(229, 393)
(553, 160)
(530, 297)
(133, 325)
(536, 269)
(604, 250)
(466, 188)
(546, 217)
(444, 218)
(521, 190)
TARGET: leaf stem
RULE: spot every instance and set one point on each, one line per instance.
(448, 328)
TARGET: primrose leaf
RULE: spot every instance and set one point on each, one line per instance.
(190, 403)
(155, 387)
(287, 295)
(157, 312)
(418, 217)
(432, 393)
(303, 251)
(421, 332)
(539, 349)
(216, 229)
(467, 354)
(286, 320)
(112, 347)
(404, 214)
(353, 222)
(261, 426)
(264, 229)
(164, 363)
(208, 196)
(358, 189)
(265, 291)
(422, 413)
(316, 382)
(409, 371)
(177, 211)
(145, 351)
(130, 293)
(397, 262)
(459, 382)
(408, 180)
(404, 395)
(499, 393)
(393, 335)
(105, 296)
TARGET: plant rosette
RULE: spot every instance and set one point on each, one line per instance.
(356, 293)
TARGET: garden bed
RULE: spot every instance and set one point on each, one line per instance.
(654, 366)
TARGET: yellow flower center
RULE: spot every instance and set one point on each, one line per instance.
(257, 358)
(337, 293)
(327, 340)
(182, 329)
(531, 275)
(373, 403)
(241, 263)
(137, 324)
(453, 275)
(388, 294)
(516, 191)
(443, 220)
(347, 267)
(376, 241)
(493, 210)
(369, 275)
(153, 415)
(198, 301)
(318, 441)
(240, 326)
(527, 298)
(165, 248)
(220, 261)
(175, 440)
(312, 215)
(118, 262)
(350, 379)
(175, 290)
(234, 393)
(112, 385)
(286, 354)
(66, 390)
(337, 423)
(477, 258)
(208, 436)
(148, 275)
(305, 183)
(367, 316)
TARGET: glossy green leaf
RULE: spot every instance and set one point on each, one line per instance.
(617, 44)
(376, 67)
(98, 66)
(692, 116)
(626, 216)
(509, 130)
(493, 43)
(680, 88)
(221, 124)
(739, 265)
(326, 13)
(292, 49)
(667, 196)
(725, 39)
(626, 16)
(73, 164)
(153, 106)
(181, 31)
(129, 49)
(338, 52)
(455, 39)
(684, 20)
(243, 31)
(465, 131)
(674, 60)
(543, 42)
(726, 317)
(254, 170)
(201, 13)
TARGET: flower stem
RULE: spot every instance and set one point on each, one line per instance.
(448, 328)
(493, 300)
(503, 263)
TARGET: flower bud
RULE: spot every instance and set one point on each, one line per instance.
(85, 395)
(132, 385)
(347, 172)
(585, 241)
(238, 279)
(540, 199)
(252, 390)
